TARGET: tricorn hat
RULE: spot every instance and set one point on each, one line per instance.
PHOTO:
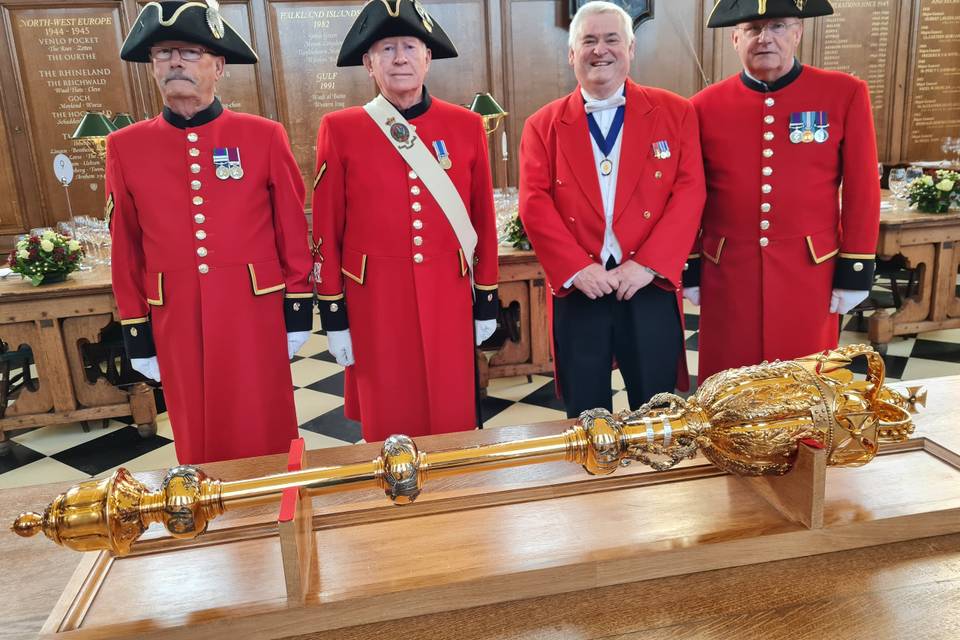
(381, 19)
(196, 22)
(727, 13)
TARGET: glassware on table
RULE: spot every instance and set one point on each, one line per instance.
(913, 172)
(898, 181)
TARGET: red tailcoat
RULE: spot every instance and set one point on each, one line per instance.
(658, 201)
(392, 270)
(205, 261)
(775, 239)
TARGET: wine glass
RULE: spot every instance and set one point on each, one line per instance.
(897, 181)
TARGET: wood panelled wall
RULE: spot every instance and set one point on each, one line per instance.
(59, 58)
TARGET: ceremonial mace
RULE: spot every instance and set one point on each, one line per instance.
(747, 421)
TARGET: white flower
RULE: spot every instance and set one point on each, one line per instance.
(945, 185)
(73, 245)
(928, 180)
(46, 245)
(49, 234)
(23, 254)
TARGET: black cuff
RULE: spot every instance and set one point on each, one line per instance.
(298, 312)
(333, 313)
(855, 274)
(486, 304)
(138, 338)
(691, 271)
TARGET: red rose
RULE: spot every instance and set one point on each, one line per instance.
(34, 240)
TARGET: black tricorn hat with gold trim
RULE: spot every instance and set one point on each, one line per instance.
(196, 22)
(381, 19)
(727, 13)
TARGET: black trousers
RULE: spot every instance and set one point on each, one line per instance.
(642, 333)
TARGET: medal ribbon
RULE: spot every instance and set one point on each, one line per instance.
(796, 121)
(822, 120)
(606, 144)
(808, 119)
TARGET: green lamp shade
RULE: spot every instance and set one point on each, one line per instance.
(123, 120)
(93, 125)
(485, 105)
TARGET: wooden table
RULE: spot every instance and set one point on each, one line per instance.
(903, 590)
(523, 286)
(55, 320)
(928, 241)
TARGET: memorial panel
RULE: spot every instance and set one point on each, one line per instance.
(67, 64)
(857, 40)
(934, 82)
(11, 220)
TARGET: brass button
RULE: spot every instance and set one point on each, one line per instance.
(769, 102)
(767, 171)
(334, 307)
(769, 119)
(202, 252)
(415, 190)
(768, 153)
(489, 297)
(764, 242)
(418, 224)
(296, 306)
(195, 168)
(199, 218)
(192, 137)
(201, 235)
(768, 136)
(858, 266)
(764, 224)
(203, 268)
(194, 152)
(647, 214)
(766, 188)
(686, 266)
(133, 332)
(765, 207)
(417, 240)
(572, 219)
(658, 175)
(416, 206)
(195, 185)
(412, 175)
(418, 258)
(197, 200)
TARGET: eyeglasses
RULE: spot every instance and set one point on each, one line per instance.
(776, 29)
(190, 54)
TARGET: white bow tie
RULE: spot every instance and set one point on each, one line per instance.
(592, 106)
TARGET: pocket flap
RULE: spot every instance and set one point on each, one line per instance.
(266, 277)
(153, 288)
(823, 245)
(711, 247)
(353, 264)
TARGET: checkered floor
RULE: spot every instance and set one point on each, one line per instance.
(68, 453)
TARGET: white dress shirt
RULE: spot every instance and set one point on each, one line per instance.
(608, 184)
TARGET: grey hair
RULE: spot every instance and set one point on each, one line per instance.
(596, 7)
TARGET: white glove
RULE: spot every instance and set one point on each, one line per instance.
(692, 294)
(842, 300)
(484, 329)
(340, 346)
(148, 367)
(295, 340)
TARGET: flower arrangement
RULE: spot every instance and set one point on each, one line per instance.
(48, 257)
(935, 195)
(516, 236)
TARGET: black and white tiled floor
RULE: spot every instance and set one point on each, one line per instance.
(67, 453)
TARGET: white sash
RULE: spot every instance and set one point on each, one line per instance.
(416, 154)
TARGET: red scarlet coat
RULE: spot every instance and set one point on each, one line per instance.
(658, 201)
(770, 260)
(392, 270)
(218, 319)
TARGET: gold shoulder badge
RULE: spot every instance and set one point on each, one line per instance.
(214, 19)
(108, 210)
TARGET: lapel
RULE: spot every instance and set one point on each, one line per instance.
(573, 137)
(638, 126)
